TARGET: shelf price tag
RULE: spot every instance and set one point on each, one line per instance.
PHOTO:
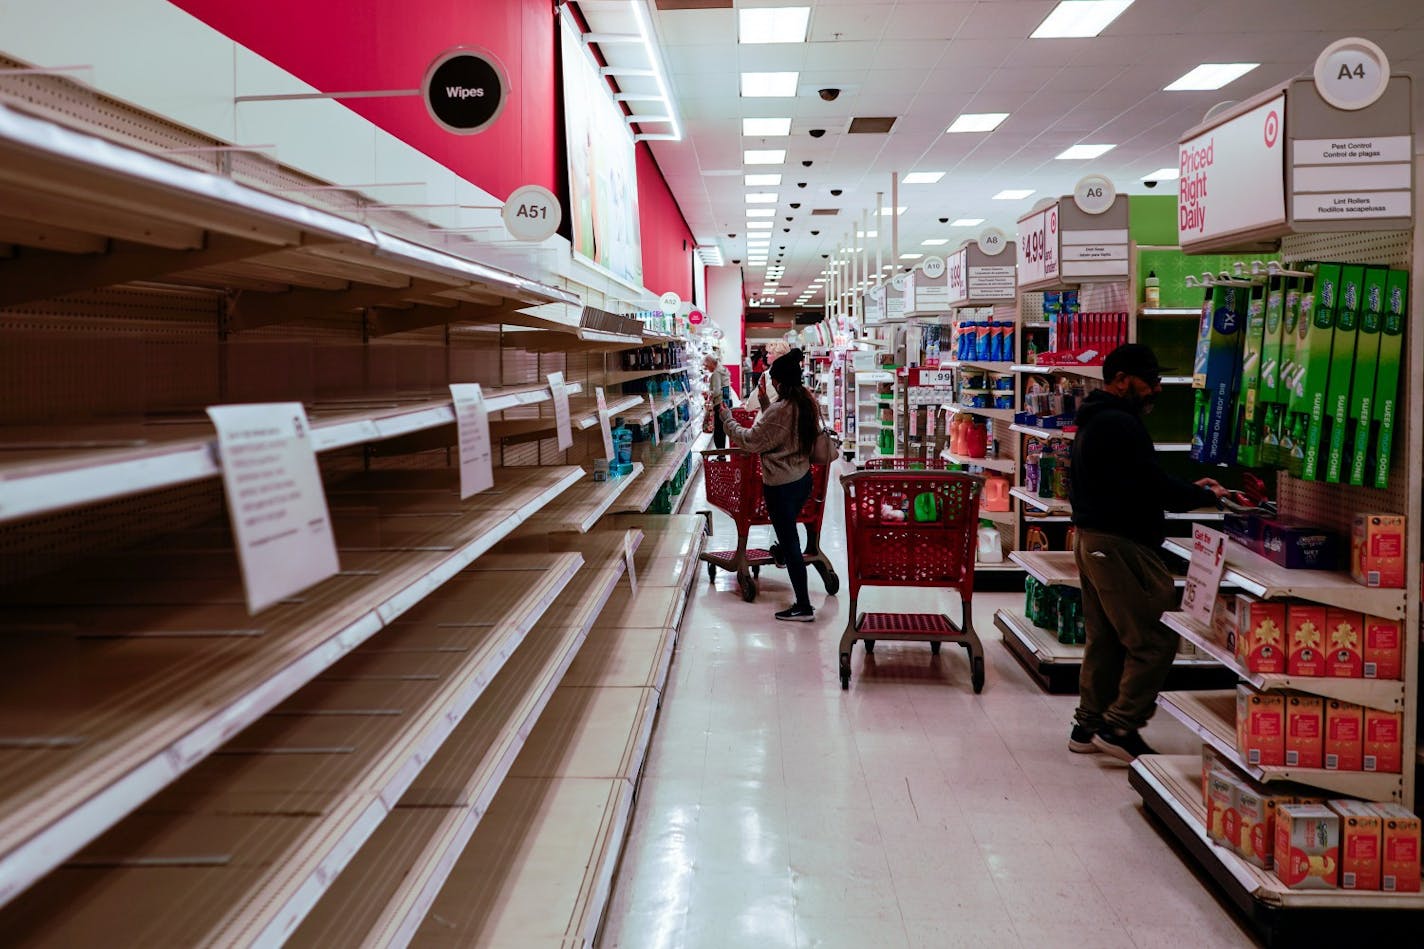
(653, 416)
(1204, 572)
(275, 499)
(472, 424)
(603, 422)
(560, 393)
(628, 561)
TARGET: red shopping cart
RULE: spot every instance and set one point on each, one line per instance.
(733, 482)
(906, 464)
(912, 529)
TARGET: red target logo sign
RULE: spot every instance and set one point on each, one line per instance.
(1273, 128)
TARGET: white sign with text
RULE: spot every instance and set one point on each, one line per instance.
(472, 424)
(275, 499)
(1038, 246)
(992, 283)
(1233, 176)
(560, 393)
(603, 423)
(1204, 573)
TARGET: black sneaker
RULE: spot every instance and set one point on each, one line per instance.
(797, 614)
(1080, 740)
(1124, 746)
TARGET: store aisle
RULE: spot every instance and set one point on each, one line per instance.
(778, 810)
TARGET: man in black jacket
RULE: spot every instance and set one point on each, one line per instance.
(1119, 493)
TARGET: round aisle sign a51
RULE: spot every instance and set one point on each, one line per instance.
(532, 213)
(465, 90)
(1094, 194)
(1351, 73)
(992, 241)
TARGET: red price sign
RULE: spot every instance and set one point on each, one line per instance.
(958, 282)
(695, 317)
(1038, 246)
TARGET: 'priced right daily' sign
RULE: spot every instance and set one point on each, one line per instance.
(1233, 176)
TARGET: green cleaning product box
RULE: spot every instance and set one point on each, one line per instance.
(1217, 366)
(1342, 364)
(1387, 373)
(1248, 401)
(1314, 335)
(1268, 452)
(1362, 385)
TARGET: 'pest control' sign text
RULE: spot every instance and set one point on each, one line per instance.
(1233, 176)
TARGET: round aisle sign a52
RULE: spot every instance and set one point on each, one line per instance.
(465, 90)
(532, 213)
(670, 302)
(1351, 73)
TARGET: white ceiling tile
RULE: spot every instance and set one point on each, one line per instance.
(1005, 18)
(937, 21)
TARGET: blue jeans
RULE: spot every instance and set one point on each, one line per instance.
(783, 504)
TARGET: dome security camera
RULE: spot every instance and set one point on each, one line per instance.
(731, 235)
(817, 133)
(780, 247)
(736, 261)
(786, 230)
(829, 94)
(800, 184)
(1150, 184)
(815, 233)
(825, 256)
(806, 163)
(795, 205)
(789, 218)
(944, 220)
(836, 192)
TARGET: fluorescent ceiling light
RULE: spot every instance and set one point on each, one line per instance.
(761, 181)
(767, 156)
(645, 33)
(977, 122)
(966, 222)
(761, 197)
(1164, 174)
(885, 212)
(773, 25)
(1079, 18)
(1211, 76)
(911, 256)
(922, 178)
(761, 212)
(761, 85)
(935, 242)
(1013, 194)
(867, 233)
(1081, 152)
(759, 225)
(766, 126)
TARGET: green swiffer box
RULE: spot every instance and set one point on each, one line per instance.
(1248, 400)
(1387, 373)
(1342, 364)
(1314, 334)
(1285, 451)
(1271, 371)
(1362, 386)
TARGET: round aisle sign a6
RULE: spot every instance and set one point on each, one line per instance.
(669, 302)
(1351, 73)
(933, 267)
(1094, 194)
(993, 241)
(532, 213)
(464, 90)
(695, 317)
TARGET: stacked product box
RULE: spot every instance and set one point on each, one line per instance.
(1377, 545)
(1274, 637)
(1283, 729)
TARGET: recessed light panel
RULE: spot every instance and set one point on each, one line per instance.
(935, 242)
(761, 212)
(922, 178)
(1211, 76)
(759, 225)
(764, 156)
(911, 256)
(977, 122)
(773, 25)
(762, 85)
(766, 126)
(761, 181)
(966, 222)
(1079, 18)
(1013, 194)
(1163, 174)
(886, 212)
(1083, 152)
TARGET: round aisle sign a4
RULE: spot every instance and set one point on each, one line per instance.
(532, 213)
(1351, 73)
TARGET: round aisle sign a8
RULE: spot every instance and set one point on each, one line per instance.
(1094, 194)
(669, 302)
(532, 213)
(992, 241)
(1351, 73)
(465, 90)
(933, 267)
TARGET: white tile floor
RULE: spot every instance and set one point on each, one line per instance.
(777, 810)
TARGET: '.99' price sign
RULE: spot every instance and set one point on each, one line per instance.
(1038, 246)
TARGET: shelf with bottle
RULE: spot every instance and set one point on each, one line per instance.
(957, 409)
(1006, 465)
(1048, 505)
(1037, 432)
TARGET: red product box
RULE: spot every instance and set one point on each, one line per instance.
(1360, 845)
(1307, 848)
(1305, 731)
(1305, 623)
(1384, 741)
(1384, 648)
(1344, 736)
(1400, 850)
(1377, 550)
(1260, 727)
(1260, 634)
(1344, 644)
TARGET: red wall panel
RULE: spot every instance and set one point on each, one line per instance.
(668, 245)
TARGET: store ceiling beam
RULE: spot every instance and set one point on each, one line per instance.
(41, 274)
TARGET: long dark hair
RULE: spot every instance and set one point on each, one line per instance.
(791, 389)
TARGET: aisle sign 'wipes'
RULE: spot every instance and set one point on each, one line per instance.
(472, 424)
(532, 213)
(274, 499)
(1233, 176)
(464, 90)
(1204, 574)
(560, 394)
(1038, 246)
(603, 423)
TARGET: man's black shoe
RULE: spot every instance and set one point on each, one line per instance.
(797, 614)
(1124, 746)
(1080, 740)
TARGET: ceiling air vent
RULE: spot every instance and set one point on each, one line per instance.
(872, 125)
(825, 212)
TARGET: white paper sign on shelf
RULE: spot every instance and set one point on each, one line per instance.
(1038, 246)
(560, 393)
(1351, 178)
(603, 423)
(1204, 572)
(472, 424)
(874, 304)
(901, 292)
(653, 415)
(1233, 176)
(628, 561)
(275, 499)
(992, 283)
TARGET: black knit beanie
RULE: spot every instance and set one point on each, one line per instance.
(787, 369)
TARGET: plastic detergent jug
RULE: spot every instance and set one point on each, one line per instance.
(995, 496)
(622, 449)
(990, 547)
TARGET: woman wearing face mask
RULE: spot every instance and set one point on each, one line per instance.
(783, 436)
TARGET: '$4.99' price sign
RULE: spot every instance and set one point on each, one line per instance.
(1038, 246)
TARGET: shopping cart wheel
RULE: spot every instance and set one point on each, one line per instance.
(748, 586)
(845, 670)
(977, 675)
(712, 573)
(870, 645)
(934, 647)
(833, 582)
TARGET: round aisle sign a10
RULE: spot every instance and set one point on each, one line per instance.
(669, 302)
(1351, 73)
(992, 241)
(532, 213)
(465, 90)
(695, 317)
(1094, 194)
(933, 267)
